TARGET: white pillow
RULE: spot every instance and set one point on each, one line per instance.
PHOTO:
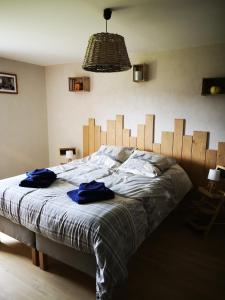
(103, 161)
(147, 163)
(111, 156)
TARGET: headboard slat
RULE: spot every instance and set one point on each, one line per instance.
(97, 137)
(156, 148)
(221, 154)
(133, 141)
(141, 137)
(187, 148)
(178, 138)
(167, 143)
(149, 131)
(91, 124)
(210, 159)
(126, 137)
(119, 130)
(111, 132)
(103, 138)
(85, 140)
(199, 146)
(198, 156)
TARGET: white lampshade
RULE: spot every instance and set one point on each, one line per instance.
(69, 154)
(214, 175)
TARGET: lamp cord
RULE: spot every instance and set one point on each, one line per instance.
(106, 26)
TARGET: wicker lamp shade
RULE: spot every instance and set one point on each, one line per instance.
(106, 52)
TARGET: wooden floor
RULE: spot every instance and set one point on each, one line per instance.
(174, 263)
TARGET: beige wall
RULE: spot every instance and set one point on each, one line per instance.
(173, 91)
(23, 121)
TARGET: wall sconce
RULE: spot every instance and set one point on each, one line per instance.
(140, 73)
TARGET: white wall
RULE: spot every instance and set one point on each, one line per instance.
(173, 91)
(23, 120)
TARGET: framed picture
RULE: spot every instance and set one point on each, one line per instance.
(8, 83)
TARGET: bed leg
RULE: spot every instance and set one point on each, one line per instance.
(34, 255)
(43, 261)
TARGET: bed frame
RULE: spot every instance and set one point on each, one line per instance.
(21, 234)
(191, 151)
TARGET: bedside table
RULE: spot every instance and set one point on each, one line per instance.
(207, 209)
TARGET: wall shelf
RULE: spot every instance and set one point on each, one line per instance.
(213, 86)
(79, 84)
(63, 155)
(62, 151)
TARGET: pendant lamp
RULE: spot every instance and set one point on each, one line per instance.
(106, 52)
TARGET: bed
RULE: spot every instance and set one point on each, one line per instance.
(109, 232)
(98, 238)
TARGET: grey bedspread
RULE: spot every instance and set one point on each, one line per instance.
(111, 230)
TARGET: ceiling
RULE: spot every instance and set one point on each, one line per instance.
(47, 32)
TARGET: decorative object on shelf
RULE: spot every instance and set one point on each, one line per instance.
(8, 83)
(106, 52)
(215, 90)
(69, 153)
(79, 84)
(213, 177)
(213, 86)
(140, 73)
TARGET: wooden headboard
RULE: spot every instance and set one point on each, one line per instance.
(191, 152)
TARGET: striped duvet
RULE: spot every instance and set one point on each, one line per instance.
(110, 230)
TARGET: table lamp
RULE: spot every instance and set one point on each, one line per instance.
(213, 177)
(69, 155)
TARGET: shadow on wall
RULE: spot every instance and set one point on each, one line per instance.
(151, 70)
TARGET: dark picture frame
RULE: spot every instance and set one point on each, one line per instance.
(8, 83)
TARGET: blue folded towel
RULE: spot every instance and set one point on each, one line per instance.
(91, 192)
(39, 178)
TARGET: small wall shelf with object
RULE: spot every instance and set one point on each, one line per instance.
(213, 86)
(79, 84)
(68, 153)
